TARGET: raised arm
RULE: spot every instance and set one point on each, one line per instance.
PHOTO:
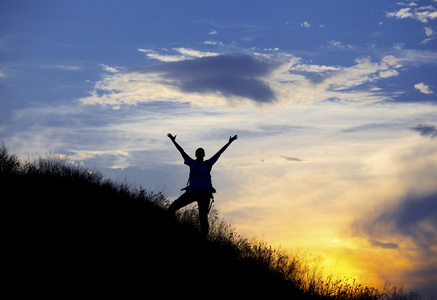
(231, 139)
(173, 139)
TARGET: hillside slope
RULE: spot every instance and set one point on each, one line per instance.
(70, 232)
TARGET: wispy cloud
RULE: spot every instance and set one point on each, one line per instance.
(267, 156)
(341, 83)
(214, 43)
(431, 35)
(339, 45)
(309, 68)
(364, 71)
(161, 57)
(187, 52)
(424, 57)
(176, 54)
(65, 67)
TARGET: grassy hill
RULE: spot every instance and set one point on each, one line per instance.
(70, 232)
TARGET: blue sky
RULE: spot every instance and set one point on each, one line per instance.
(334, 103)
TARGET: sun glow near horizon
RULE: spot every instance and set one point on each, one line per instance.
(340, 203)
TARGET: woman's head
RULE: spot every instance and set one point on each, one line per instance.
(200, 153)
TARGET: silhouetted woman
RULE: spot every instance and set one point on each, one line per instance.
(200, 186)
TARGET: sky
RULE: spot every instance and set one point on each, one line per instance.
(334, 103)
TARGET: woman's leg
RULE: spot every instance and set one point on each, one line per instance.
(203, 204)
(185, 199)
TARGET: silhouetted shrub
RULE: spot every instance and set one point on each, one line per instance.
(9, 163)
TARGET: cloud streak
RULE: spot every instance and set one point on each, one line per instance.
(384, 245)
(170, 56)
(293, 159)
(426, 130)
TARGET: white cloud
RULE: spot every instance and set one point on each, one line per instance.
(423, 88)
(305, 24)
(389, 73)
(429, 31)
(213, 32)
(109, 69)
(423, 14)
(392, 61)
(401, 14)
(2, 74)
